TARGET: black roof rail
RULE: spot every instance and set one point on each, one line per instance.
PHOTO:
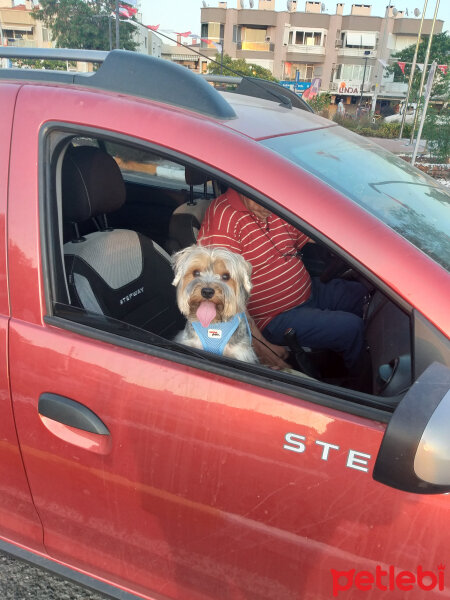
(53, 54)
(127, 73)
(260, 88)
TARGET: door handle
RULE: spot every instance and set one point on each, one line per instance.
(74, 423)
(69, 412)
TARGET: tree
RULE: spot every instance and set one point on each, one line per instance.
(83, 24)
(320, 103)
(440, 52)
(238, 66)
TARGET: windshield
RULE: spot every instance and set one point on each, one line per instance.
(399, 195)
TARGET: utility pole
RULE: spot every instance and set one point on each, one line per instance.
(110, 32)
(422, 79)
(377, 69)
(413, 68)
(366, 56)
(117, 25)
(425, 106)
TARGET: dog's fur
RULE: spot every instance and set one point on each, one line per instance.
(228, 274)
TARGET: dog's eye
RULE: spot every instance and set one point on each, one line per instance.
(196, 273)
(226, 276)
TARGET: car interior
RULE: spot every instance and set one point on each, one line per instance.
(124, 210)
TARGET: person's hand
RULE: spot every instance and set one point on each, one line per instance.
(269, 354)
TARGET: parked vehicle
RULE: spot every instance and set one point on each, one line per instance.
(409, 117)
(146, 469)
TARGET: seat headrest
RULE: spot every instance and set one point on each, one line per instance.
(195, 177)
(92, 184)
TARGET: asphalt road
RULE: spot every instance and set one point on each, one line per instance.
(20, 581)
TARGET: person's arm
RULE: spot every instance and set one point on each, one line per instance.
(268, 354)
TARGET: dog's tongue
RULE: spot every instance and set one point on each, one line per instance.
(206, 313)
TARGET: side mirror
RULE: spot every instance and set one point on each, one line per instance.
(414, 455)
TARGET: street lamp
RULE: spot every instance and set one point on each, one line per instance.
(366, 56)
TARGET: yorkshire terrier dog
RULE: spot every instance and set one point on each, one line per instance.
(213, 285)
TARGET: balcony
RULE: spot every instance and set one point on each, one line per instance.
(306, 49)
(21, 43)
(256, 46)
(356, 52)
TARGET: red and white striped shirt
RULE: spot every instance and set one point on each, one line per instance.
(280, 280)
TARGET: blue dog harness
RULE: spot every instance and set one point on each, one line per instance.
(215, 337)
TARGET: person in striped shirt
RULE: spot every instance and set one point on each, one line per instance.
(324, 315)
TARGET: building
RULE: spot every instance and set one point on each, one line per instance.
(297, 47)
(183, 55)
(19, 28)
(147, 41)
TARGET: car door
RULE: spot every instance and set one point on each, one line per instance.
(174, 477)
(18, 518)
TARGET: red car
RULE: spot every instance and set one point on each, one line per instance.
(146, 469)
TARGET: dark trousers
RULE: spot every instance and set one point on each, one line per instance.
(330, 319)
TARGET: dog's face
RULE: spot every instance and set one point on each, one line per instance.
(216, 277)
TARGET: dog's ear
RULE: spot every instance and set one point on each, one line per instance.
(246, 271)
(179, 260)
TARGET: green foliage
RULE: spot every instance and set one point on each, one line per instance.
(83, 24)
(436, 131)
(54, 65)
(229, 66)
(320, 103)
(392, 130)
(440, 51)
(379, 129)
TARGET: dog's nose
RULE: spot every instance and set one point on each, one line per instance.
(207, 292)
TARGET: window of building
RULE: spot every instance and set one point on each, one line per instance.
(213, 32)
(305, 38)
(353, 72)
(302, 72)
(358, 39)
(254, 38)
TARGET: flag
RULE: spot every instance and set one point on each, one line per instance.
(127, 11)
(209, 42)
(184, 34)
(153, 27)
(430, 79)
(443, 68)
(420, 66)
(123, 12)
(402, 66)
(313, 90)
(383, 62)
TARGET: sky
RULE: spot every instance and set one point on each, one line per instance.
(184, 15)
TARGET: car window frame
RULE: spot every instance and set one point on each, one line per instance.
(53, 137)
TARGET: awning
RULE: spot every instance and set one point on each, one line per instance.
(361, 39)
(183, 57)
(10, 27)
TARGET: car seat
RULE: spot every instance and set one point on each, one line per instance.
(187, 218)
(116, 272)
